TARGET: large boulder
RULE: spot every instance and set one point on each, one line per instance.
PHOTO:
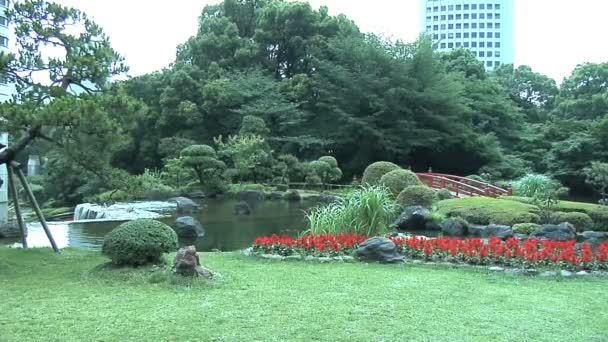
(252, 196)
(413, 218)
(493, 230)
(187, 263)
(559, 232)
(185, 205)
(595, 238)
(452, 227)
(242, 208)
(189, 227)
(276, 195)
(378, 249)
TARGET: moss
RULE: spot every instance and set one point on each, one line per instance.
(484, 210)
(580, 221)
(416, 195)
(525, 228)
(375, 171)
(397, 180)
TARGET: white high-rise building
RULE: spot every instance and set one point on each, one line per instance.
(485, 27)
(6, 91)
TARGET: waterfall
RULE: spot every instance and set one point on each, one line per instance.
(122, 211)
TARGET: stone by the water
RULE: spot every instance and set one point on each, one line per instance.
(189, 227)
(185, 205)
(187, 263)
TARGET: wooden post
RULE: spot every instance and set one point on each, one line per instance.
(30, 194)
(13, 193)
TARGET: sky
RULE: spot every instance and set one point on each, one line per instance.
(551, 36)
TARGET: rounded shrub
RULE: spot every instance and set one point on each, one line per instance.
(375, 171)
(443, 194)
(525, 228)
(416, 195)
(580, 221)
(333, 162)
(475, 178)
(397, 180)
(139, 242)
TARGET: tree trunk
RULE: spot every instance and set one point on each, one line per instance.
(9, 154)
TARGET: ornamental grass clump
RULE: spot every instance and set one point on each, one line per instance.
(366, 211)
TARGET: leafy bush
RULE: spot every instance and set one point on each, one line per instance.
(326, 168)
(436, 217)
(333, 162)
(397, 180)
(598, 213)
(367, 211)
(416, 195)
(476, 178)
(139, 242)
(282, 187)
(525, 228)
(534, 185)
(111, 196)
(484, 210)
(443, 194)
(580, 221)
(292, 195)
(313, 180)
(375, 171)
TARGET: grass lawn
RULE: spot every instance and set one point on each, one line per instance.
(68, 297)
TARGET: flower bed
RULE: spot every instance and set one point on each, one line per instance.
(513, 252)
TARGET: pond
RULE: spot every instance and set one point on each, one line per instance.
(224, 230)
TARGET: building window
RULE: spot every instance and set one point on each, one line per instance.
(443, 17)
(497, 53)
(496, 64)
(489, 53)
(466, 34)
(466, 7)
(3, 41)
(458, 7)
(473, 6)
(490, 15)
(450, 35)
(474, 25)
(428, 18)
(4, 3)
(489, 44)
(450, 26)
(497, 16)
(458, 44)
(450, 7)
(450, 45)
(3, 21)
(466, 16)
(443, 8)
(489, 6)
(490, 25)
(458, 35)
(482, 53)
(458, 16)
(436, 9)
(458, 26)
(497, 7)
(428, 10)
(428, 27)
(489, 34)
(436, 18)
(497, 25)
(473, 15)
(497, 35)
(435, 36)
(466, 44)
(435, 27)
(450, 17)
(473, 34)
(443, 45)
(443, 36)
(489, 63)
(466, 25)
(482, 44)
(482, 15)
(443, 26)
(482, 6)
(497, 44)
(474, 53)
(482, 25)
(473, 44)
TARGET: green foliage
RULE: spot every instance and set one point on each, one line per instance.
(375, 171)
(326, 169)
(483, 210)
(443, 194)
(203, 159)
(399, 179)
(139, 242)
(253, 125)
(111, 196)
(534, 185)
(597, 177)
(437, 217)
(367, 211)
(250, 155)
(175, 174)
(580, 221)
(525, 228)
(333, 162)
(416, 195)
(291, 195)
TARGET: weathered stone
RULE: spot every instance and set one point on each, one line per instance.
(561, 232)
(248, 251)
(293, 257)
(10, 230)
(309, 258)
(242, 208)
(494, 230)
(187, 263)
(189, 227)
(531, 271)
(252, 196)
(338, 259)
(514, 271)
(348, 258)
(324, 259)
(276, 195)
(595, 239)
(327, 199)
(496, 269)
(275, 257)
(453, 227)
(412, 218)
(185, 205)
(582, 274)
(292, 196)
(379, 249)
(548, 274)
(521, 237)
(566, 274)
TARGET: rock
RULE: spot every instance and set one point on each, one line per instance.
(327, 199)
(242, 208)
(566, 274)
(185, 205)
(494, 230)
(252, 196)
(325, 259)
(520, 237)
(595, 239)
(531, 271)
(309, 258)
(10, 230)
(188, 227)
(275, 257)
(379, 249)
(293, 196)
(496, 269)
(412, 218)
(348, 258)
(248, 251)
(187, 263)
(293, 257)
(451, 227)
(338, 259)
(276, 195)
(196, 194)
(582, 274)
(548, 274)
(431, 225)
(514, 271)
(561, 232)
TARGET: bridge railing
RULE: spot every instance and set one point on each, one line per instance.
(462, 185)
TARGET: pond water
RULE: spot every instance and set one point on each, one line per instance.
(224, 230)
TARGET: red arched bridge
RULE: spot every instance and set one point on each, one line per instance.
(462, 186)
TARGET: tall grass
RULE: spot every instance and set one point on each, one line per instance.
(534, 185)
(367, 211)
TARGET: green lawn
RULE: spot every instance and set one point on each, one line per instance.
(69, 298)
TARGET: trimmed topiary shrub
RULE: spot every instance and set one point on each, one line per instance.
(443, 194)
(375, 171)
(416, 195)
(333, 162)
(397, 180)
(525, 228)
(139, 242)
(580, 221)
(484, 210)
